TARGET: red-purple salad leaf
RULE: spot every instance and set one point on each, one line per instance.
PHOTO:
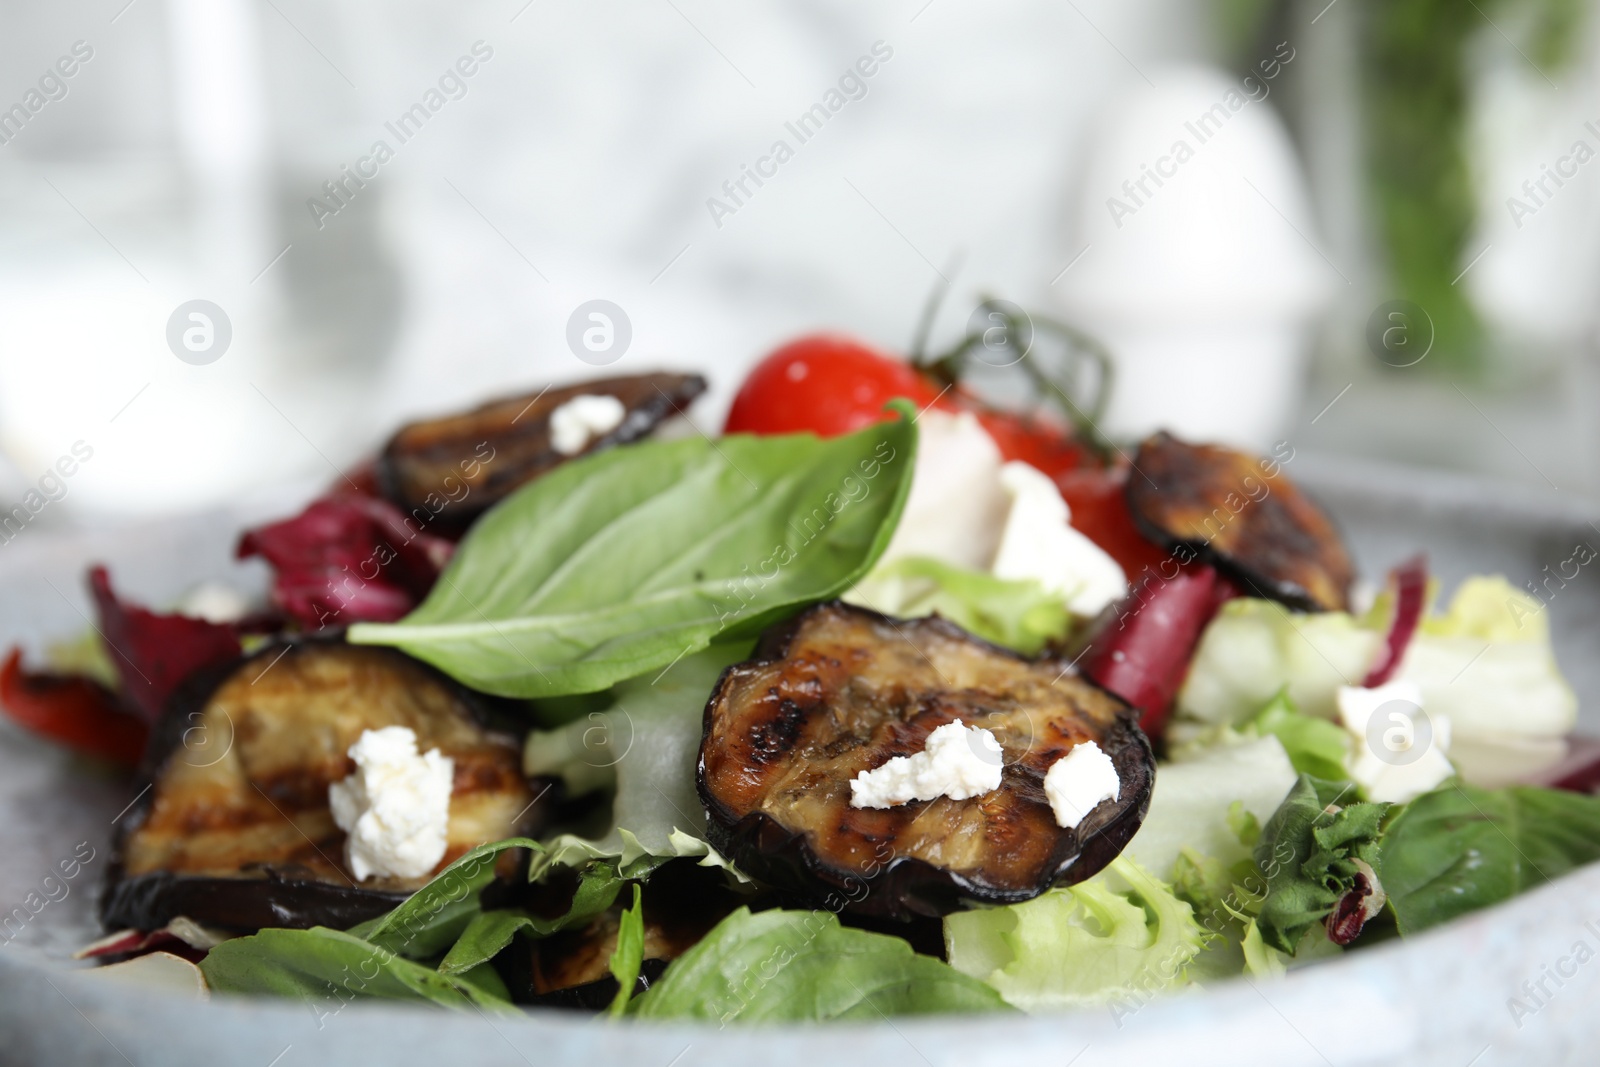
(348, 558)
(154, 652)
(73, 710)
(1410, 581)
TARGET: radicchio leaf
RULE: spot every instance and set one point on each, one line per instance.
(1410, 597)
(154, 652)
(348, 558)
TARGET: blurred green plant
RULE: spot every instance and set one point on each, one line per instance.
(1414, 83)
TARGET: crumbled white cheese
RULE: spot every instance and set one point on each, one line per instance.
(1385, 764)
(956, 506)
(1077, 782)
(215, 602)
(395, 807)
(958, 762)
(1039, 543)
(583, 418)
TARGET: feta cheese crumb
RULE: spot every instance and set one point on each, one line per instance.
(1402, 753)
(958, 762)
(1077, 782)
(1037, 542)
(583, 418)
(395, 807)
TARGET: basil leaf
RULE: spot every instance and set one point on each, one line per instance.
(802, 965)
(433, 917)
(491, 931)
(629, 954)
(1461, 848)
(327, 968)
(1308, 853)
(623, 561)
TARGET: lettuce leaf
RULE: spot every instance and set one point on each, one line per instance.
(1122, 934)
(1308, 852)
(780, 965)
(1018, 613)
(649, 739)
(629, 954)
(1255, 649)
(1192, 798)
(1461, 848)
(1315, 746)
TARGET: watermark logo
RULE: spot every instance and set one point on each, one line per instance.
(1400, 333)
(1399, 733)
(199, 332)
(1004, 332)
(599, 332)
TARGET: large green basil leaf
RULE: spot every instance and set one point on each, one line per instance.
(624, 561)
(802, 965)
(327, 969)
(1461, 848)
(1308, 852)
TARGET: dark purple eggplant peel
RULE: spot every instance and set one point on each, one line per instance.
(1244, 515)
(458, 466)
(839, 690)
(235, 830)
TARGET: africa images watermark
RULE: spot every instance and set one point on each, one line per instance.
(53, 889)
(1203, 127)
(806, 529)
(52, 87)
(342, 190)
(51, 487)
(1538, 191)
(1536, 992)
(1252, 490)
(852, 85)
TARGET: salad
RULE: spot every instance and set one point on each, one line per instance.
(887, 700)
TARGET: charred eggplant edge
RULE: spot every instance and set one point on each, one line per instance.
(1286, 591)
(908, 887)
(150, 901)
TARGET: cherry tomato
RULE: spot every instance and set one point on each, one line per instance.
(826, 383)
(1040, 444)
(1100, 512)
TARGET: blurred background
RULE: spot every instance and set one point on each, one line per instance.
(1368, 227)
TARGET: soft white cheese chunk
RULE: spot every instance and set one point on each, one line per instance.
(583, 418)
(956, 506)
(1038, 543)
(395, 807)
(958, 762)
(1385, 765)
(1079, 781)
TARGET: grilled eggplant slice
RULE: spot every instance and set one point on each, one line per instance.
(840, 690)
(235, 829)
(455, 468)
(1244, 515)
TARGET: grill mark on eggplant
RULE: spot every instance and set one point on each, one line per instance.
(246, 838)
(783, 813)
(1272, 538)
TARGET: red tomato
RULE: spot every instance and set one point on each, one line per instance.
(826, 383)
(1100, 512)
(1042, 445)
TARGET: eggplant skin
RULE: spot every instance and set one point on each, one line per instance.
(235, 831)
(453, 469)
(839, 690)
(1244, 515)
